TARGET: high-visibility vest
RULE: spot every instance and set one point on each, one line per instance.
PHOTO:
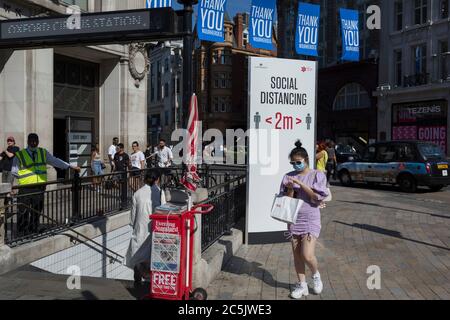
(32, 172)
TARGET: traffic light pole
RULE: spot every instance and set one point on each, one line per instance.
(188, 43)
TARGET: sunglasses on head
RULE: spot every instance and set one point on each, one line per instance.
(10, 141)
(296, 163)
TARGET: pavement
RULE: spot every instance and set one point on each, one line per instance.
(406, 235)
(29, 283)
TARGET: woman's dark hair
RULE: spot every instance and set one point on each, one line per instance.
(322, 146)
(94, 148)
(152, 176)
(299, 151)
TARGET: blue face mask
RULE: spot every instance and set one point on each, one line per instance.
(299, 167)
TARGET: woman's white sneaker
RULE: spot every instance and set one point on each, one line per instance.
(301, 290)
(317, 283)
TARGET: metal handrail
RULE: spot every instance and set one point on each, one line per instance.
(70, 229)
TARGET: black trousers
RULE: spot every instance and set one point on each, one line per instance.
(27, 219)
(123, 178)
(331, 170)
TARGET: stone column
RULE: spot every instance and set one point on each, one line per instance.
(133, 107)
(5, 188)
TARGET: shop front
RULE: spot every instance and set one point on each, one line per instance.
(424, 121)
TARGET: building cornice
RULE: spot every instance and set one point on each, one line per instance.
(413, 91)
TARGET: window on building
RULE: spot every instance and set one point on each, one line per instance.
(351, 96)
(225, 57)
(420, 59)
(443, 59)
(398, 67)
(245, 39)
(166, 118)
(221, 104)
(398, 9)
(158, 81)
(166, 65)
(222, 80)
(215, 57)
(166, 90)
(204, 104)
(152, 92)
(420, 11)
(152, 71)
(444, 9)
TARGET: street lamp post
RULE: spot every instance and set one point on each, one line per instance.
(188, 43)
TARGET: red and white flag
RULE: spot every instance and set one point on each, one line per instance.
(191, 179)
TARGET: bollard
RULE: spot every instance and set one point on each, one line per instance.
(5, 188)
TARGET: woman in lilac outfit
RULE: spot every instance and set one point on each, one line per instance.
(311, 187)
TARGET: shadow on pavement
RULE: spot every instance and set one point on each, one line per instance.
(387, 232)
(139, 292)
(252, 269)
(393, 208)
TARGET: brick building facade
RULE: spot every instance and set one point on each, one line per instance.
(221, 76)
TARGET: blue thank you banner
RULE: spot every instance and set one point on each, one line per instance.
(210, 20)
(308, 24)
(151, 4)
(350, 34)
(261, 23)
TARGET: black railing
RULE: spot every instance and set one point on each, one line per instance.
(416, 80)
(229, 209)
(83, 200)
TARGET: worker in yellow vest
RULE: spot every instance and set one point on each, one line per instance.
(30, 169)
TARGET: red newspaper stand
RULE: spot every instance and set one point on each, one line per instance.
(172, 255)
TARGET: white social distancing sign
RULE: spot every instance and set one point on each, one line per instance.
(282, 109)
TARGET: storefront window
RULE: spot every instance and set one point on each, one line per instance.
(424, 121)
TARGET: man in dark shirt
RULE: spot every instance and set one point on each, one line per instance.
(121, 159)
(7, 160)
(148, 155)
(121, 166)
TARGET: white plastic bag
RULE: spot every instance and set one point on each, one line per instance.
(285, 209)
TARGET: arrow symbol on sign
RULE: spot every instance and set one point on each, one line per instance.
(269, 120)
(299, 121)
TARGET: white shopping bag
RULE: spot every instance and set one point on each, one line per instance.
(285, 209)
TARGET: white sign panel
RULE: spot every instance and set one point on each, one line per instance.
(282, 109)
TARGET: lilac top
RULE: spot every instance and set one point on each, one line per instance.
(308, 220)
